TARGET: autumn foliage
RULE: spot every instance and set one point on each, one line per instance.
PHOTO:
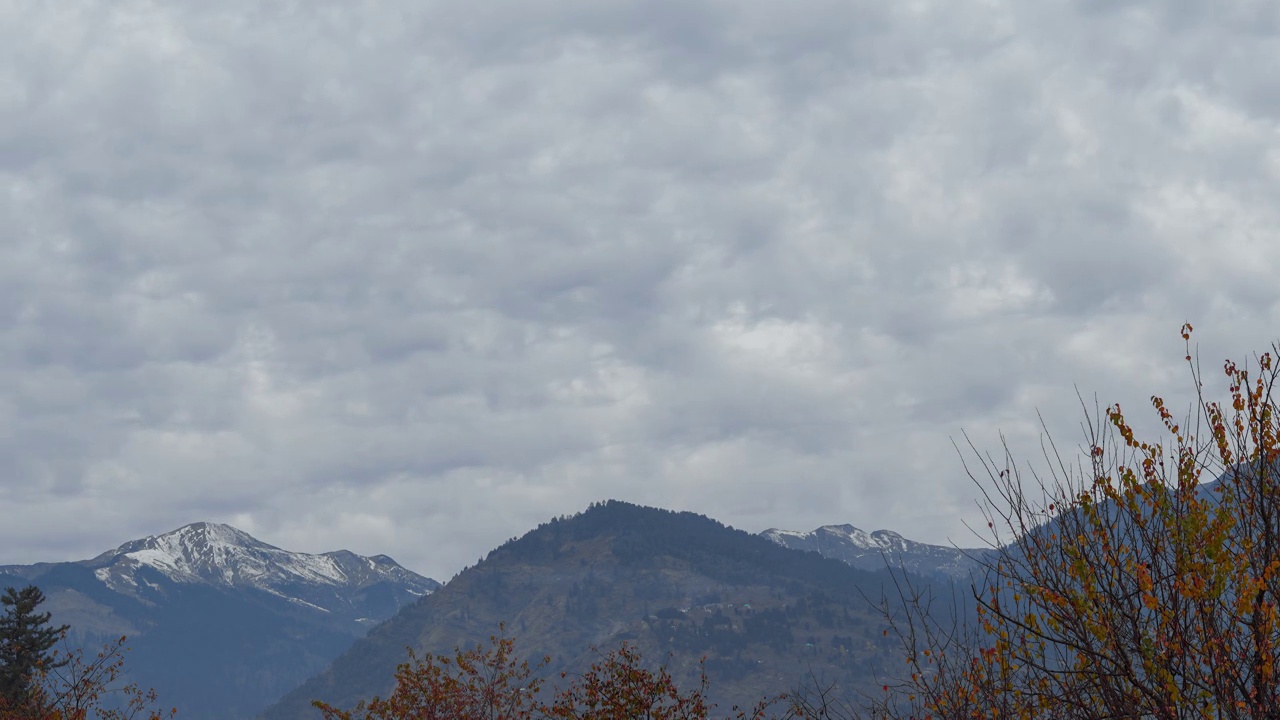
(1129, 583)
(620, 687)
(478, 683)
(487, 683)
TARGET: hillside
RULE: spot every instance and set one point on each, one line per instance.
(671, 583)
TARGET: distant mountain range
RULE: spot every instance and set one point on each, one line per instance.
(679, 586)
(219, 623)
(223, 625)
(882, 548)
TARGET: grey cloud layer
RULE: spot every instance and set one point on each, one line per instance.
(413, 277)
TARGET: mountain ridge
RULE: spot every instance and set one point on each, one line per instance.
(678, 586)
(221, 555)
(879, 549)
(219, 623)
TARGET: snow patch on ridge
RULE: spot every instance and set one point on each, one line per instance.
(222, 555)
(878, 549)
(855, 536)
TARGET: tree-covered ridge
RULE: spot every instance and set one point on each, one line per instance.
(641, 535)
(676, 585)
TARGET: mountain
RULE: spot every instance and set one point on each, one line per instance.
(220, 623)
(349, 588)
(880, 549)
(679, 586)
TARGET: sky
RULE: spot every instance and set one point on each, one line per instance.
(411, 277)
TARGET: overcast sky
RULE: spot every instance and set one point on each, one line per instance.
(411, 277)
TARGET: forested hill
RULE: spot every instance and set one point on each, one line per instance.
(680, 586)
(645, 537)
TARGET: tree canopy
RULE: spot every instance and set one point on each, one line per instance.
(41, 680)
(26, 643)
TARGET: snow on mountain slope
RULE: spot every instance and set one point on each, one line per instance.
(262, 619)
(873, 550)
(215, 554)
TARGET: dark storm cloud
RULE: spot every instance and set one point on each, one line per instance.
(412, 278)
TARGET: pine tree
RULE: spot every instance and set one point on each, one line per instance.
(25, 644)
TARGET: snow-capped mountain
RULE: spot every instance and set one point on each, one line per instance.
(214, 554)
(218, 622)
(875, 550)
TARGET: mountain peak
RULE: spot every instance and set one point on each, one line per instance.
(873, 550)
(669, 583)
(217, 554)
(216, 531)
(262, 618)
(219, 544)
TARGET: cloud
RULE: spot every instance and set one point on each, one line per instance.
(412, 278)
